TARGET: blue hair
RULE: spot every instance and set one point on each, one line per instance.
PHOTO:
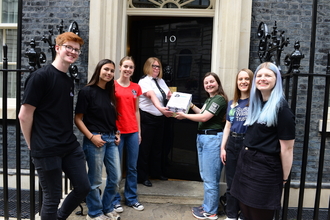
(266, 114)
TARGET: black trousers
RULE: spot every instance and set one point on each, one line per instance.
(233, 148)
(49, 171)
(150, 151)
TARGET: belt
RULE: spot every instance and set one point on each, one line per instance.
(209, 132)
(102, 133)
(234, 134)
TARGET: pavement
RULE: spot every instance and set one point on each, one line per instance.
(165, 200)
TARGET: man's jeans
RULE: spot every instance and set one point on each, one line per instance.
(131, 143)
(95, 157)
(210, 166)
(49, 170)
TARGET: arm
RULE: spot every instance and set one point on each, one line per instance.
(137, 115)
(152, 96)
(26, 120)
(195, 108)
(226, 131)
(96, 139)
(286, 157)
(169, 95)
(205, 116)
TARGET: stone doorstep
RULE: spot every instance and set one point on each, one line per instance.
(171, 191)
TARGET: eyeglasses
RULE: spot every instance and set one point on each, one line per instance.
(71, 49)
(155, 66)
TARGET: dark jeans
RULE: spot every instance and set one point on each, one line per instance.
(233, 148)
(50, 177)
(150, 152)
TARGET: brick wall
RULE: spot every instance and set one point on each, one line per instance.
(295, 18)
(38, 18)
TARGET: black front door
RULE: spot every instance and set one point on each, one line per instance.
(184, 47)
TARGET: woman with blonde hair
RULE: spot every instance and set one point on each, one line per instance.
(153, 111)
(265, 161)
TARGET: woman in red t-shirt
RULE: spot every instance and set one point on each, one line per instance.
(128, 123)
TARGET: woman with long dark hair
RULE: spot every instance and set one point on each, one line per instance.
(95, 116)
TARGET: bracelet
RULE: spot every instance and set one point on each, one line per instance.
(192, 106)
(91, 137)
(286, 180)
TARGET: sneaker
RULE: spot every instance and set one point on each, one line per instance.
(210, 216)
(113, 215)
(197, 209)
(199, 213)
(118, 208)
(100, 217)
(138, 206)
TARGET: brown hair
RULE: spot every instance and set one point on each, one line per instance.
(126, 58)
(220, 89)
(237, 93)
(147, 68)
(69, 36)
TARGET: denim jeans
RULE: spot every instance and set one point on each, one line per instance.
(131, 143)
(95, 157)
(210, 166)
(233, 148)
(50, 176)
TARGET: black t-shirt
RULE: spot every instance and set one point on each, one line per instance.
(99, 113)
(266, 139)
(51, 92)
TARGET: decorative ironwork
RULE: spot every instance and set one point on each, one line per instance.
(271, 44)
(36, 57)
(74, 28)
(271, 47)
(293, 60)
(169, 4)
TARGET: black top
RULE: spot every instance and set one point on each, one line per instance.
(266, 139)
(99, 113)
(51, 92)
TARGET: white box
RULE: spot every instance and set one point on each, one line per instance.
(179, 102)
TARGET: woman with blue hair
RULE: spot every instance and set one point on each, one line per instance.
(265, 161)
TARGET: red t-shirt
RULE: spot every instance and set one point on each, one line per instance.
(126, 100)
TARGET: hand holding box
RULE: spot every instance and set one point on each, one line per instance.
(179, 102)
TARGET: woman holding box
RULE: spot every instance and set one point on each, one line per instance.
(152, 111)
(211, 120)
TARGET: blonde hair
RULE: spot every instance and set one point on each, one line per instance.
(147, 68)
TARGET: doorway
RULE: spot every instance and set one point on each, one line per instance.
(184, 45)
